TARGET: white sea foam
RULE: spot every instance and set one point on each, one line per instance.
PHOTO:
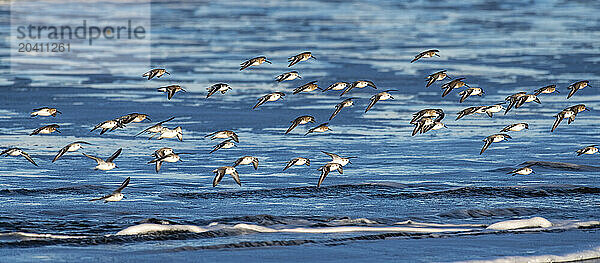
(151, 228)
(33, 236)
(572, 257)
(534, 222)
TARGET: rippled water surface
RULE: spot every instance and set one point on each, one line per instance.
(436, 180)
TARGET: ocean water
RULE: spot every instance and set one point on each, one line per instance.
(423, 198)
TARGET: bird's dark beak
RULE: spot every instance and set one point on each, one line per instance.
(183, 90)
(316, 59)
(557, 91)
(299, 77)
(58, 131)
(392, 98)
(148, 118)
(167, 73)
(268, 62)
(59, 111)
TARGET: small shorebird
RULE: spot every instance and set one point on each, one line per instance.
(338, 86)
(426, 54)
(470, 92)
(359, 84)
(326, 169)
(170, 90)
(105, 165)
(116, 195)
(225, 134)
(17, 152)
(219, 87)
(133, 117)
(588, 150)
(247, 160)
(297, 161)
(546, 90)
(223, 145)
(527, 98)
(109, 125)
(308, 87)
(269, 97)
(577, 86)
(321, 128)
(291, 75)
(170, 133)
(166, 157)
(46, 129)
(494, 138)
(515, 127)
(156, 128)
(157, 72)
(222, 171)
(385, 95)
(490, 110)
(71, 147)
(300, 57)
(345, 103)
(45, 111)
(454, 84)
(570, 113)
(253, 62)
(159, 154)
(338, 159)
(437, 113)
(440, 75)
(468, 111)
(513, 99)
(522, 171)
(300, 120)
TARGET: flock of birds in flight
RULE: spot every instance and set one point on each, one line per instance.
(424, 120)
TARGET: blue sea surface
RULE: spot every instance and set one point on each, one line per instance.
(423, 198)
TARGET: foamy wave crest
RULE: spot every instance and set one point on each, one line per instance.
(572, 257)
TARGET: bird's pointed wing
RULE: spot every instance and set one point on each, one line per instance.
(510, 105)
(157, 166)
(216, 147)
(211, 91)
(170, 93)
(348, 89)
(465, 94)
(337, 110)
(261, 101)
(332, 155)
(98, 160)
(571, 91)
(238, 161)
(61, 152)
(255, 163)
(36, 131)
(236, 178)
(559, 118)
(324, 173)
(374, 100)
(114, 155)
(293, 60)
(235, 137)
(290, 163)
(26, 156)
(123, 185)
(447, 90)
(294, 125)
(219, 173)
(487, 144)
